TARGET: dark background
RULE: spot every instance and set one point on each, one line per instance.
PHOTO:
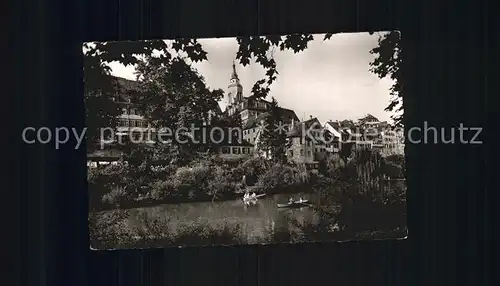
(450, 194)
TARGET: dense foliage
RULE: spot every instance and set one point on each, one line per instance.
(273, 139)
(202, 180)
(153, 58)
(352, 184)
(352, 195)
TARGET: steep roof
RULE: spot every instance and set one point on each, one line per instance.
(311, 122)
(234, 74)
(347, 123)
(253, 97)
(304, 126)
(126, 84)
(334, 128)
(286, 114)
(334, 124)
(368, 118)
(123, 87)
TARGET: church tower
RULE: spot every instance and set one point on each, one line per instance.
(235, 90)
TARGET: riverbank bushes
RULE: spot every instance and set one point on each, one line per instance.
(205, 179)
(110, 230)
(281, 178)
(354, 200)
(370, 190)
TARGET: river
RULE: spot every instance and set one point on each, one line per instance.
(257, 223)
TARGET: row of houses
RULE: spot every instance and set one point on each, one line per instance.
(309, 140)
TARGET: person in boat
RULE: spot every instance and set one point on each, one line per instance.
(300, 200)
(290, 200)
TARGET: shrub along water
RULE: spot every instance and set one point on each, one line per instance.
(206, 179)
(353, 194)
(357, 195)
(356, 182)
(110, 230)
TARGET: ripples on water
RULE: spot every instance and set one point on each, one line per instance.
(257, 223)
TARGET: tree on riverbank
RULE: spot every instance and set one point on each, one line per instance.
(273, 140)
(173, 95)
(360, 187)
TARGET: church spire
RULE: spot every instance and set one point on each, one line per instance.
(234, 75)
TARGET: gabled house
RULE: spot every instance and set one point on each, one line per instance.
(368, 120)
(302, 147)
(336, 136)
(315, 131)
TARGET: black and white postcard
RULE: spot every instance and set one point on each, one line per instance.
(247, 140)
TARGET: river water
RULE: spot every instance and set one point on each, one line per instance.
(257, 223)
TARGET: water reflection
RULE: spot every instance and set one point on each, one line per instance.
(257, 223)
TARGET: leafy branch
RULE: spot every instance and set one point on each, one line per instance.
(262, 50)
(159, 54)
(388, 62)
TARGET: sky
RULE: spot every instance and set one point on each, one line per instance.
(329, 80)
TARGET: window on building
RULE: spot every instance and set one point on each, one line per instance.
(236, 150)
(137, 136)
(301, 152)
(225, 150)
(308, 153)
(291, 152)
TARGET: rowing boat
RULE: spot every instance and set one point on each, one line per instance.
(251, 198)
(296, 204)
